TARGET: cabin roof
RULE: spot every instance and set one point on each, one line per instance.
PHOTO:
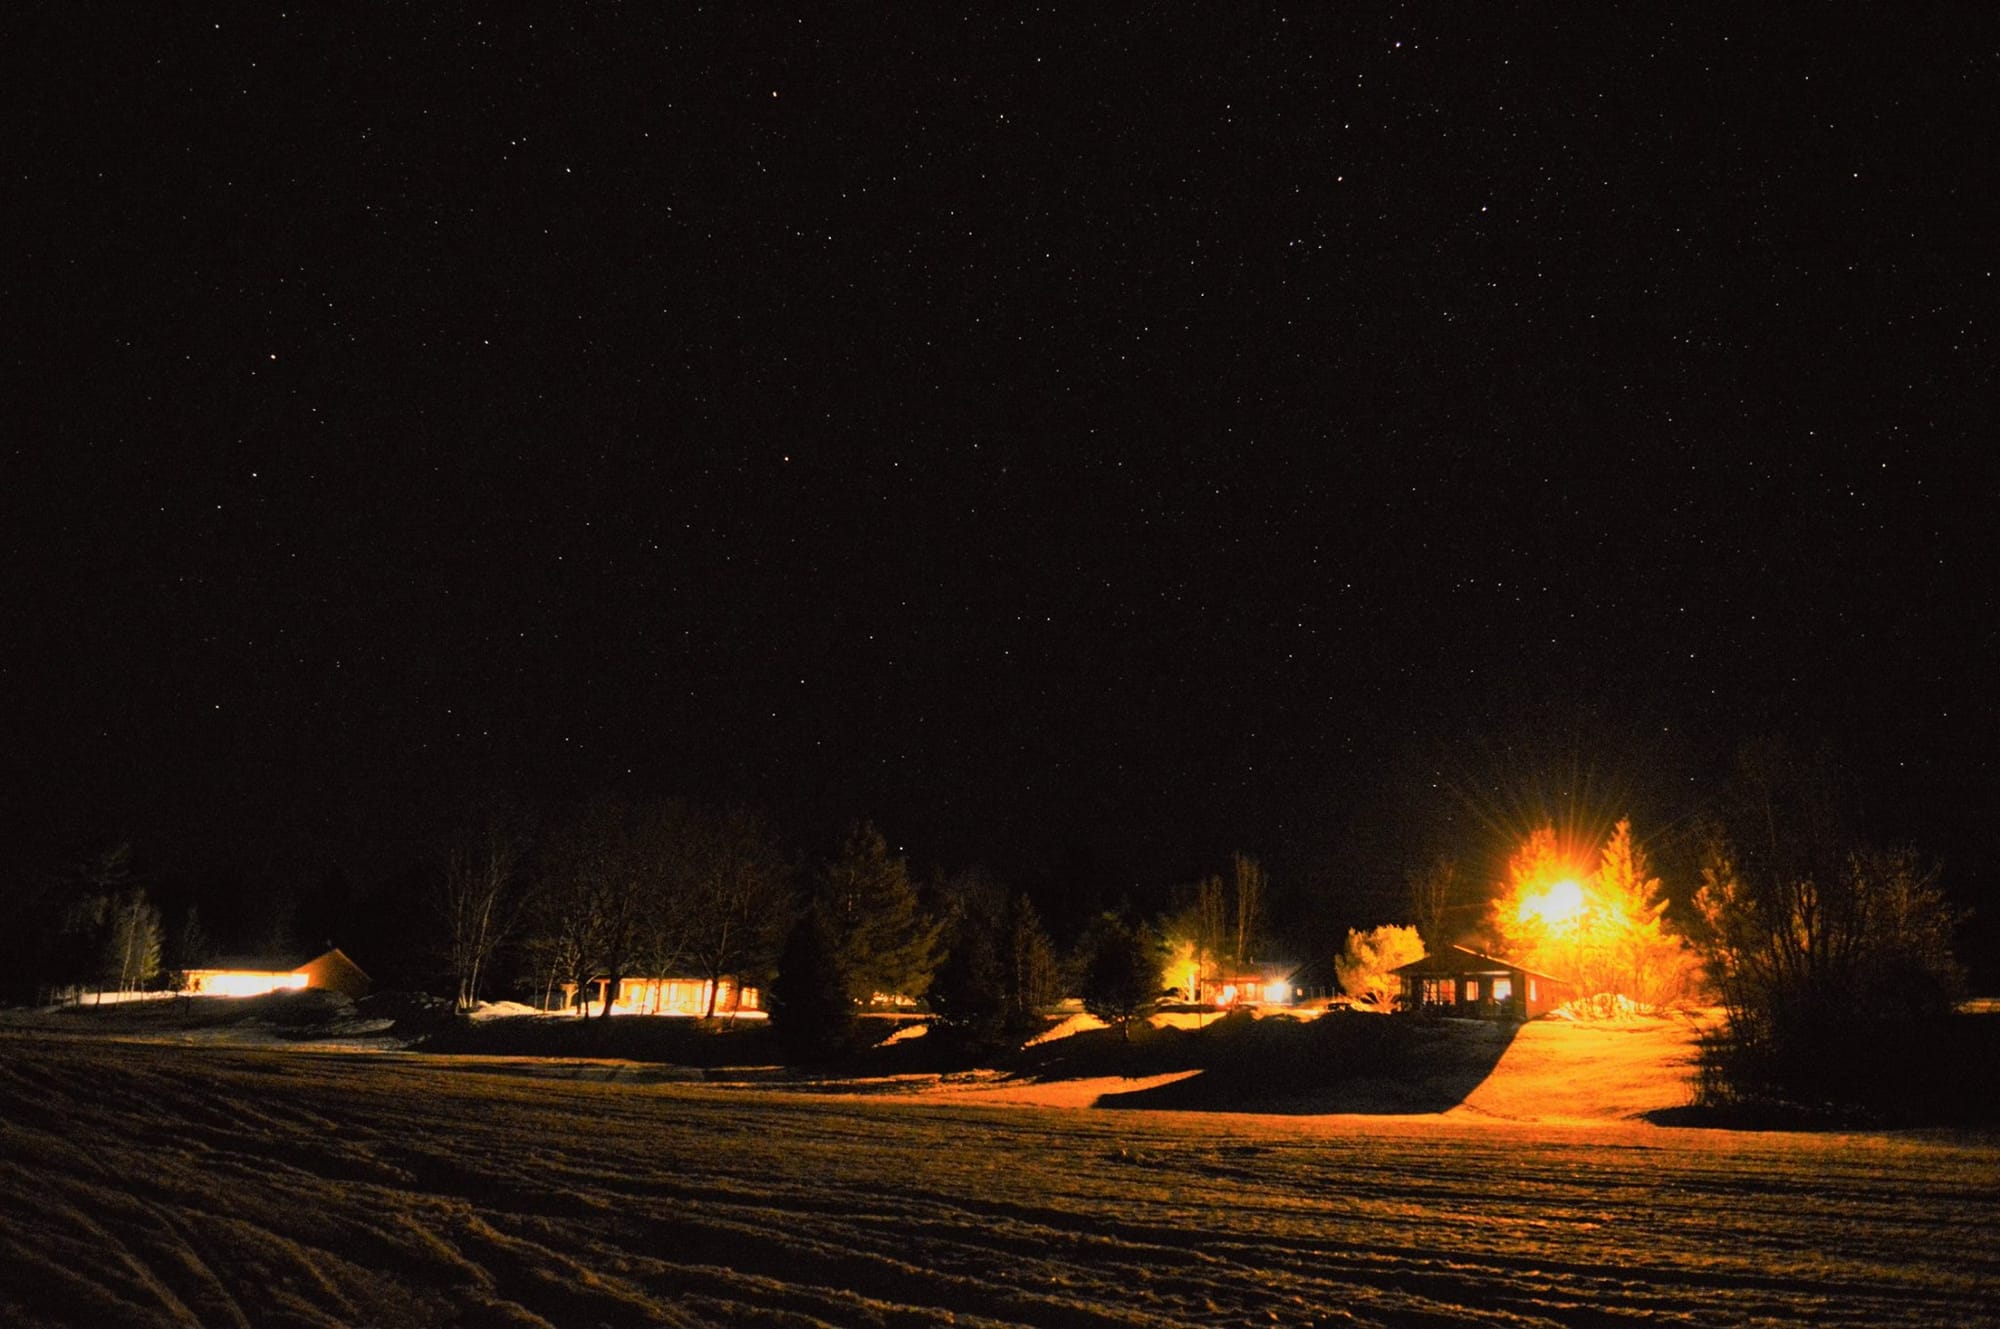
(273, 964)
(334, 952)
(1460, 960)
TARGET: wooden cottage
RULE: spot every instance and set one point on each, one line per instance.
(1464, 983)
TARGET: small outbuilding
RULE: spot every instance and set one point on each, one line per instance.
(244, 977)
(1464, 983)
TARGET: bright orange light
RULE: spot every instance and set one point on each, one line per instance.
(1559, 905)
(242, 982)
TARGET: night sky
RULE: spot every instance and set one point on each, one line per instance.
(1084, 442)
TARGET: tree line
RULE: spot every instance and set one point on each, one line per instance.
(558, 911)
(1828, 957)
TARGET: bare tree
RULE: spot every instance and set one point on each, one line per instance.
(1825, 981)
(666, 852)
(1249, 878)
(1431, 890)
(132, 942)
(619, 867)
(738, 899)
(629, 889)
(591, 912)
(481, 901)
(1212, 926)
(556, 947)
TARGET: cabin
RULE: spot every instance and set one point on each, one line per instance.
(670, 995)
(254, 977)
(1461, 982)
(1246, 985)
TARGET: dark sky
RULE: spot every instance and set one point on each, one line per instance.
(1107, 437)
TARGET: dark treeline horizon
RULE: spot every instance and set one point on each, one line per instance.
(291, 887)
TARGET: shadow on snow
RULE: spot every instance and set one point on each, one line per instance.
(1339, 1063)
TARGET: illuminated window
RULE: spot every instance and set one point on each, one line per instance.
(1503, 988)
(1531, 991)
(1472, 989)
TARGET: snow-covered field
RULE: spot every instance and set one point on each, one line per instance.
(147, 1184)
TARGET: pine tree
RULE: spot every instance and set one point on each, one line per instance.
(189, 946)
(812, 1013)
(1632, 952)
(1121, 972)
(888, 947)
(969, 992)
(1033, 979)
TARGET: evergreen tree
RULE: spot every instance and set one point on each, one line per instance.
(76, 956)
(1635, 954)
(1121, 972)
(85, 902)
(969, 993)
(812, 1013)
(1033, 977)
(888, 947)
(188, 947)
(1000, 970)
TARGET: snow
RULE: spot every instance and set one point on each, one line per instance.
(157, 1183)
(501, 1010)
